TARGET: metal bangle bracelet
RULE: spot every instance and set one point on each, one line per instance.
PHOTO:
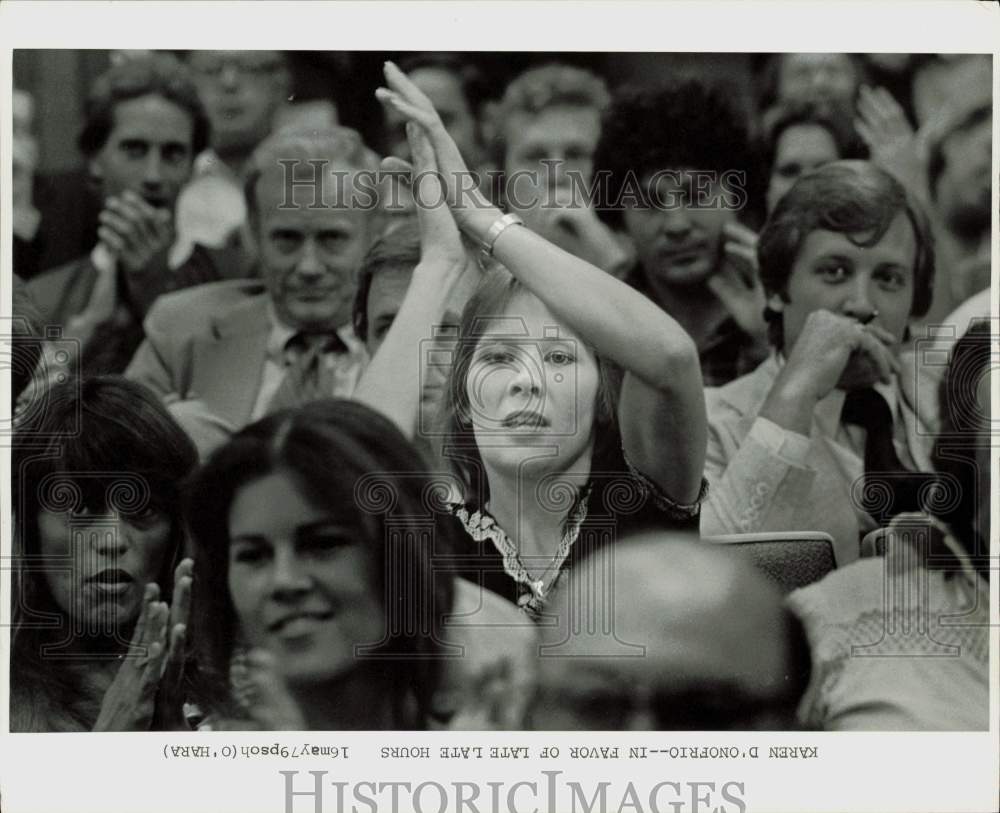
(500, 225)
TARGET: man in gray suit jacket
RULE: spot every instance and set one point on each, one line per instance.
(225, 354)
(833, 432)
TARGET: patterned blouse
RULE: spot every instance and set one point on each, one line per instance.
(609, 507)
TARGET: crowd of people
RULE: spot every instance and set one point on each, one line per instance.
(588, 405)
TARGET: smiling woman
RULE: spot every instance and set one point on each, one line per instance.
(97, 544)
(316, 605)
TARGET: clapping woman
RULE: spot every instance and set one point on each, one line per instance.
(554, 458)
(98, 547)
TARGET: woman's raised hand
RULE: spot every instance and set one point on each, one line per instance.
(440, 240)
(154, 661)
(405, 97)
(892, 141)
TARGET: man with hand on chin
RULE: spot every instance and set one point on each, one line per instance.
(144, 125)
(834, 430)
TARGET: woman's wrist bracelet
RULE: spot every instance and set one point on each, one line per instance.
(500, 225)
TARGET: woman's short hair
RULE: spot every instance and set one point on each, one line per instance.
(347, 458)
(497, 289)
(854, 198)
(156, 74)
(542, 88)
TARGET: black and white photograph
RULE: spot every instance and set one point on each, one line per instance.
(497, 427)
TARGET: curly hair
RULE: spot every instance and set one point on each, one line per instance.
(683, 125)
(156, 74)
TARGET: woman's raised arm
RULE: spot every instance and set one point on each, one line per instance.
(661, 408)
(392, 382)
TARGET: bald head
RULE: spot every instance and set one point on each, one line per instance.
(668, 632)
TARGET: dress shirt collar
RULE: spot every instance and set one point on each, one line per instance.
(280, 333)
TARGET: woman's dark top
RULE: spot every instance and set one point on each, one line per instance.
(617, 501)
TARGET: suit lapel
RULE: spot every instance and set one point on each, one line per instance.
(228, 367)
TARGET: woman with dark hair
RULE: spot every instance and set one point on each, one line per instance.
(98, 541)
(803, 137)
(315, 532)
(552, 460)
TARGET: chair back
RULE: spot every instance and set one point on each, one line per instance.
(793, 559)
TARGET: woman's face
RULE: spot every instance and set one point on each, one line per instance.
(801, 148)
(532, 388)
(300, 580)
(98, 565)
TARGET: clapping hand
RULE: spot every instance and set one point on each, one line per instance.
(892, 141)
(136, 232)
(154, 661)
(459, 185)
(263, 693)
(440, 240)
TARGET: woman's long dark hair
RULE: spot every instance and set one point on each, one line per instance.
(353, 462)
(99, 444)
